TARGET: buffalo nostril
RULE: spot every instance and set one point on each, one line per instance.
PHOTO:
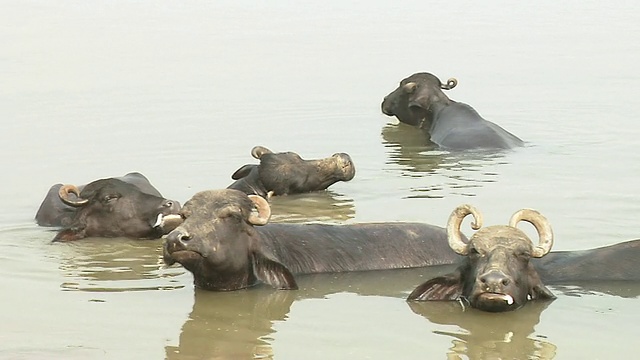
(178, 236)
(495, 278)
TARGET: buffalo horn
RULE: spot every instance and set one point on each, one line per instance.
(453, 227)
(258, 151)
(451, 83)
(64, 191)
(542, 226)
(409, 87)
(262, 212)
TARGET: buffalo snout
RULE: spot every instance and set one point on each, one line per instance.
(346, 166)
(494, 280)
(387, 106)
(178, 236)
(170, 207)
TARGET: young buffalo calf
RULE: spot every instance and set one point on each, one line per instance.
(287, 173)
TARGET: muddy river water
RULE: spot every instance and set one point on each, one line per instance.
(181, 92)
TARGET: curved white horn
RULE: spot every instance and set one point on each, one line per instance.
(262, 211)
(453, 227)
(542, 226)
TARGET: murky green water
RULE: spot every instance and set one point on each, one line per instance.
(181, 92)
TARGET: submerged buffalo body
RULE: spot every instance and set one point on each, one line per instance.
(420, 101)
(219, 243)
(287, 173)
(114, 207)
(617, 262)
(502, 269)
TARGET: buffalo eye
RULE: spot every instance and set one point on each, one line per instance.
(110, 197)
(524, 255)
(473, 251)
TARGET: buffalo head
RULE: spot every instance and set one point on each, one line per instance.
(115, 208)
(218, 244)
(417, 98)
(287, 173)
(496, 274)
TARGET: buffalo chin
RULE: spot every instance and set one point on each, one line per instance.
(495, 302)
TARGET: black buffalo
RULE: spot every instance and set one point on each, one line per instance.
(54, 212)
(219, 243)
(287, 173)
(502, 269)
(113, 207)
(420, 101)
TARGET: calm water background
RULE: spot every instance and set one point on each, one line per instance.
(181, 91)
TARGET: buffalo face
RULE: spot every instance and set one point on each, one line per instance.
(496, 274)
(216, 242)
(287, 173)
(416, 99)
(114, 208)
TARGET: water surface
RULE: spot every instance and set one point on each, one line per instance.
(181, 92)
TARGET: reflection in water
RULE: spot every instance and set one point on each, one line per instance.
(238, 324)
(410, 149)
(105, 265)
(232, 325)
(319, 206)
(489, 335)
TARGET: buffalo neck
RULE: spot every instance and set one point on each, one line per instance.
(211, 279)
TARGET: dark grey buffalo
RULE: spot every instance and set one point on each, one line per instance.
(113, 207)
(420, 101)
(287, 173)
(226, 243)
(54, 212)
(502, 269)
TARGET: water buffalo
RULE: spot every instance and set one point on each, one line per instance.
(54, 212)
(496, 274)
(226, 243)
(111, 207)
(502, 269)
(287, 173)
(420, 101)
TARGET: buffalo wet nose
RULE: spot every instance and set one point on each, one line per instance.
(171, 205)
(495, 278)
(177, 235)
(386, 107)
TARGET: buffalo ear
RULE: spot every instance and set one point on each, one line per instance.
(273, 273)
(243, 171)
(537, 290)
(258, 151)
(447, 287)
(70, 234)
(540, 291)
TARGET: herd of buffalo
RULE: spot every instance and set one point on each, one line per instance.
(224, 238)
